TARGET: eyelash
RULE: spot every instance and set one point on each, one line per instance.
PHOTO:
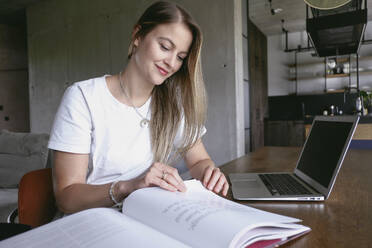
(167, 49)
(164, 47)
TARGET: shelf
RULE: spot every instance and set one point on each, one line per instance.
(340, 60)
(361, 73)
(306, 64)
(337, 75)
(336, 91)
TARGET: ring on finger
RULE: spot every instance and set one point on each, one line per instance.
(164, 175)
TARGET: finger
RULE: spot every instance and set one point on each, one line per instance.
(163, 184)
(207, 176)
(170, 175)
(215, 176)
(152, 179)
(170, 179)
(158, 171)
(219, 184)
(178, 180)
(225, 188)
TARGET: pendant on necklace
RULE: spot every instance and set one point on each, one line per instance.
(144, 122)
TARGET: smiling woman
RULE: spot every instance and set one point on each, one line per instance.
(118, 133)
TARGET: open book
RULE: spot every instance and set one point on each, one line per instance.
(153, 217)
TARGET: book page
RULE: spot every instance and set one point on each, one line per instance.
(280, 231)
(198, 217)
(93, 228)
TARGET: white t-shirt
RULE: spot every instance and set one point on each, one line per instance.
(90, 120)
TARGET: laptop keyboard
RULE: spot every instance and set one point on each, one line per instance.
(283, 184)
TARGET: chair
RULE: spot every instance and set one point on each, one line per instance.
(36, 202)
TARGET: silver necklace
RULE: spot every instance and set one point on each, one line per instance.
(144, 120)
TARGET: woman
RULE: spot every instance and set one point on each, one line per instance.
(115, 134)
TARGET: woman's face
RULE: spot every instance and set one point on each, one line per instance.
(161, 52)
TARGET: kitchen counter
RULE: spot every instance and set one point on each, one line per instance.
(294, 132)
(365, 119)
(362, 138)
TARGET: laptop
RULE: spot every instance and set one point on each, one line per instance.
(316, 170)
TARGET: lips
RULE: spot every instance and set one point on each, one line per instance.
(162, 70)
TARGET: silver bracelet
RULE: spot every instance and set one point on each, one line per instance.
(111, 192)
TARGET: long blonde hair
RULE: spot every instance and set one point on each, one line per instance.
(181, 96)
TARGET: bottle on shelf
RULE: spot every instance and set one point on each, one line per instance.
(358, 105)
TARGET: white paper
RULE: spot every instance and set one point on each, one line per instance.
(279, 231)
(94, 228)
(197, 217)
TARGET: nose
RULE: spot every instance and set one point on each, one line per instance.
(171, 60)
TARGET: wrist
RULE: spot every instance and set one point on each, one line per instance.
(113, 192)
(198, 171)
(132, 185)
(124, 188)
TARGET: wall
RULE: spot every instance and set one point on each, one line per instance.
(14, 106)
(311, 76)
(277, 63)
(72, 40)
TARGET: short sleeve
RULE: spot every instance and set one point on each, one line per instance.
(180, 131)
(72, 127)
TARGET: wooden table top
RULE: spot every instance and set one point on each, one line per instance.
(343, 220)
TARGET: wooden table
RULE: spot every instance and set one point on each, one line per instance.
(343, 220)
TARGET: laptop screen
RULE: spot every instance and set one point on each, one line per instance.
(323, 150)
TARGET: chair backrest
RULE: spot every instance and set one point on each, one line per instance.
(36, 202)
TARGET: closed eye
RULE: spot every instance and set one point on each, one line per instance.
(181, 58)
(164, 47)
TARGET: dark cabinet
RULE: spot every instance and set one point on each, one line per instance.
(284, 133)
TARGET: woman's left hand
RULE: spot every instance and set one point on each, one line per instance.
(215, 180)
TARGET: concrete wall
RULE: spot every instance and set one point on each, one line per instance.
(277, 67)
(311, 75)
(14, 110)
(72, 40)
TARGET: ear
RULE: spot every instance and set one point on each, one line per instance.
(135, 31)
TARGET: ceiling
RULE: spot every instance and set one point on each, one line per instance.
(293, 13)
(13, 11)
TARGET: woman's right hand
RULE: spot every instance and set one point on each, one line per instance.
(161, 175)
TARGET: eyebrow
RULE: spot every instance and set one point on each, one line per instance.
(172, 43)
